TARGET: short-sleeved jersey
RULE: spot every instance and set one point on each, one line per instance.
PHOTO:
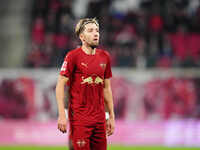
(86, 75)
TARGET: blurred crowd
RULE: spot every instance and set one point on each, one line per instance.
(137, 33)
(16, 98)
(171, 98)
(156, 99)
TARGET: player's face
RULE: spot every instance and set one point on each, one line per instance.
(91, 34)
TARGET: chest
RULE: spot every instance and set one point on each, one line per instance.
(91, 65)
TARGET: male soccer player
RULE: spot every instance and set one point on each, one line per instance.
(87, 71)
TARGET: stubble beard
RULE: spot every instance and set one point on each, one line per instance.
(94, 45)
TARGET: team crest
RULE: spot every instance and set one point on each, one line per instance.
(81, 143)
(103, 66)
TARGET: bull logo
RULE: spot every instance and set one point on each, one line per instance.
(98, 80)
(89, 80)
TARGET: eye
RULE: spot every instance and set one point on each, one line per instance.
(90, 30)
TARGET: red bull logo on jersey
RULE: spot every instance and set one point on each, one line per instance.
(87, 80)
(90, 80)
(98, 80)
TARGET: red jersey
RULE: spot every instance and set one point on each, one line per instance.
(86, 75)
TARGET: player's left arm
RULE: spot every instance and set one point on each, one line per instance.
(109, 104)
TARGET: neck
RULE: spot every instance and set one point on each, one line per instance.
(88, 49)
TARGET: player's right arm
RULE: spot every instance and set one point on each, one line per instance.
(65, 74)
(60, 97)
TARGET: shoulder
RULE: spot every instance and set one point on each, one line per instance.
(73, 53)
(103, 52)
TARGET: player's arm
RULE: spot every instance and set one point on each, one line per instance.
(60, 97)
(109, 105)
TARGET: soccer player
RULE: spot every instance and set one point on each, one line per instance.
(87, 71)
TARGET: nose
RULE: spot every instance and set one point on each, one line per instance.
(96, 34)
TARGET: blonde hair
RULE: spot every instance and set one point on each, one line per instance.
(80, 26)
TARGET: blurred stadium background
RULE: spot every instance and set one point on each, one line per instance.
(155, 53)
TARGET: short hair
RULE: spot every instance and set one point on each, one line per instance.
(80, 26)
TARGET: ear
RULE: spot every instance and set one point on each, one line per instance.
(81, 36)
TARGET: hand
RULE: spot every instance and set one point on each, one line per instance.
(62, 124)
(110, 126)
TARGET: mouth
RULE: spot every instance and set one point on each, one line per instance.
(95, 40)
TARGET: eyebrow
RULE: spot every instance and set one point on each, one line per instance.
(91, 28)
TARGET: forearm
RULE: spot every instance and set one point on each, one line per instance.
(109, 102)
(60, 97)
